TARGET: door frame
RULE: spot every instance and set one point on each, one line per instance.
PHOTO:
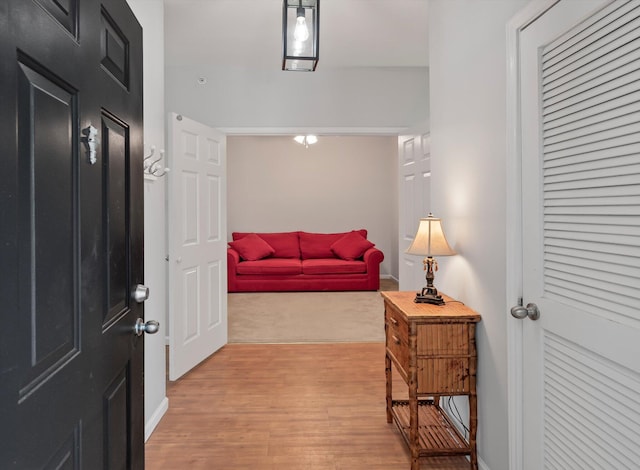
(262, 132)
(514, 266)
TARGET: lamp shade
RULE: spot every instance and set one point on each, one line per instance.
(300, 31)
(430, 239)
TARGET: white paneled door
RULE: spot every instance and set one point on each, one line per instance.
(414, 155)
(197, 244)
(580, 90)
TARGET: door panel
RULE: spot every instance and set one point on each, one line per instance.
(115, 161)
(115, 421)
(114, 50)
(65, 13)
(71, 237)
(47, 192)
(581, 236)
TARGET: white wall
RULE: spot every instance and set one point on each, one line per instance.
(150, 14)
(468, 131)
(340, 97)
(340, 183)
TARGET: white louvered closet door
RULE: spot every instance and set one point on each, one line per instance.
(580, 65)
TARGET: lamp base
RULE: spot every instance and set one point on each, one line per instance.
(429, 295)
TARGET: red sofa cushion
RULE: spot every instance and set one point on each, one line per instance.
(285, 244)
(351, 246)
(333, 266)
(252, 247)
(270, 266)
(318, 245)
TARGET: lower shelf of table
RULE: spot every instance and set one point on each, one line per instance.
(436, 434)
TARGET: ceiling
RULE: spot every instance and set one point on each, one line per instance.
(248, 33)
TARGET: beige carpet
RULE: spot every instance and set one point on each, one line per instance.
(307, 317)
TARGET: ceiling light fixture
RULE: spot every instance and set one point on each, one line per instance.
(306, 140)
(300, 30)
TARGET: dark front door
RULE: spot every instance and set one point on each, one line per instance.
(71, 233)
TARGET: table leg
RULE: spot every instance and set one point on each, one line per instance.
(413, 399)
(473, 426)
(413, 432)
(473, 398)
(388, 375)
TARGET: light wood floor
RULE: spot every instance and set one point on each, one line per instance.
(284, 407)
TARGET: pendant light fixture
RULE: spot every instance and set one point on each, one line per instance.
(300, 30)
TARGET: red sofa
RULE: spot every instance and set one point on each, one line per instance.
(302, 261)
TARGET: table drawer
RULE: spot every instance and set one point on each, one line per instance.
(444, 376)
(397, 324)
(444, 358)
(398, 349)
(397, 332)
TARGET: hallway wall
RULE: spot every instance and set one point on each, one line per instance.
(468, 68)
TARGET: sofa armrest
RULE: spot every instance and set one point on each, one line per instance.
(373, 256)
(233, 258)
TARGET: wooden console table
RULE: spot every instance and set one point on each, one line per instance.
(433, 348)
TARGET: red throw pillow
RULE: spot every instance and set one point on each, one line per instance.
(351, 246)
(285, 244)
(252, 247)
(318, 245)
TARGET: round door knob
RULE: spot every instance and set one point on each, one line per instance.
(531, 311)
(151, 327)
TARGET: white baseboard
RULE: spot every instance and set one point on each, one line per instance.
(157, 415)
(445, 407)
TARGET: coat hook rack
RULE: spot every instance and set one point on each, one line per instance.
(153, 167)
(145, 161)
(159, 171)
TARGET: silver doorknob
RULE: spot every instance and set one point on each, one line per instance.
(531, 311)
(140, 293)
(151, 327)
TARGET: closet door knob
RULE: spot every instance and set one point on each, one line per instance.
(531, 311)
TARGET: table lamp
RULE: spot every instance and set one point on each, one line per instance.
(429, 242)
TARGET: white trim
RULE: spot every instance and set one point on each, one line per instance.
(482, 465)
(532, 11)
(447, 410)
(155, 418)
(312, 130)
